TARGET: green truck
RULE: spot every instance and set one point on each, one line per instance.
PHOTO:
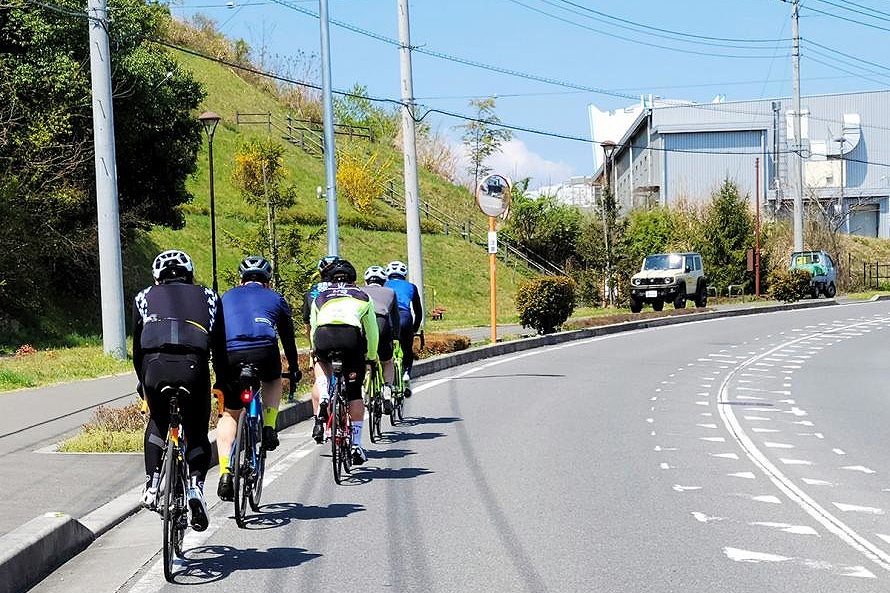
(822, 268)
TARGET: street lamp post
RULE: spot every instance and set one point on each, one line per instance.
(210, 119)
(608, 150)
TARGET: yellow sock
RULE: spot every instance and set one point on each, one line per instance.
(223, 464)
(270, 416)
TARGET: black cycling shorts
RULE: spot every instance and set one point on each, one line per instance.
(266, 359)
(351, 344)
(384, 344)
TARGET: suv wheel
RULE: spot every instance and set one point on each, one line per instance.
(701, 299)
(636, 305)
(680, 301)
(830, 290)
(657, 305)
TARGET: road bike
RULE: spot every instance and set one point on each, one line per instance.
(173, 487)
(373, 392)
(339, 422)
(398, 385)
(248, 456)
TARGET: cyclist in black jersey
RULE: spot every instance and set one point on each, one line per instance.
(177, 327)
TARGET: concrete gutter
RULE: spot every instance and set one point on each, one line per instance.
(31, 552)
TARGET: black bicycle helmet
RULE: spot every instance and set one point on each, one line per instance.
(255, 268)
(173, 265)
(324, 265)
(341, 271)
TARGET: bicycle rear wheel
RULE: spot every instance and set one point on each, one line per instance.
(241, 467)
(174, 502)
(346, 440)
(256, 477)
(336, 436)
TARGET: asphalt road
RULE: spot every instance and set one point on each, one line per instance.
(739, 454)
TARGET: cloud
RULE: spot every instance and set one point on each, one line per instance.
(516, 161)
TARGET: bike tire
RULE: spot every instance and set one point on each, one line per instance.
(336, 437)
(400, 410)
(241, 467)
(170, 512)
(372, 415)
(256, 479)
(346, 441)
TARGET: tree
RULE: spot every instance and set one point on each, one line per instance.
(482, 137)
(729, 228)
(47, 176)
(544, 226)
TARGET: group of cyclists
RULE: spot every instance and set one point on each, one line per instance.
(180, 327)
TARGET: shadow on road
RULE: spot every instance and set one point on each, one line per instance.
(279, 514)
(208, 564)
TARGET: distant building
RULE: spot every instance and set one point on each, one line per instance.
(674, 152)
(578, 191)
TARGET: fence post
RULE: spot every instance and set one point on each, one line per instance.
(269, 123)
(877, 274)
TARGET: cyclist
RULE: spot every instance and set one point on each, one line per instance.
(342, 318)
(324, 266)
(177, 327)
(256, 317)
(386, 307)
(410, 313)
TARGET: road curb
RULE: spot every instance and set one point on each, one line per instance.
(34, 550)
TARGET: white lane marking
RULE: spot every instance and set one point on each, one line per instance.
(703, 518)
(787, 527)
(816, 482)
(702, 403)
(859, 468)
(740, 555)
(785, 485)
(886, 538)
(757, 418)
(746, 475)
(855, 508)
(839, 451)
(713, 439)
(649, 420)
(725, 455)
(707, 425)
(767, 498)
(773, 445)
(796, 411)
(664, 466)
(756, 429)
(660, 448)
(799, 462)
(679, 488)
(803, 422)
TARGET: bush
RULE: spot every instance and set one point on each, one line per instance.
(545, 303)
(440, 344)
(789, 285)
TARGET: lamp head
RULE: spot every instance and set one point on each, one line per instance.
(209, 119)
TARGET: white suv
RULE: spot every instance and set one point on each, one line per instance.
(669, 277)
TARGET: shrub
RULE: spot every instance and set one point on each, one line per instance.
(789, 285)
(440, 344)
(545, 303)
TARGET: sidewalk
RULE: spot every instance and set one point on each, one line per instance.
(53, 505)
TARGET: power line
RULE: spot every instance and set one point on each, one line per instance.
(849, 20)
(882, 16)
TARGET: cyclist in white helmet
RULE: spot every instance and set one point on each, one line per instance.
(386, 306)
(410, 313)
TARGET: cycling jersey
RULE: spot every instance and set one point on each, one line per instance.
(410, 307)
(309, 297)
(256, 316)
(344, 304)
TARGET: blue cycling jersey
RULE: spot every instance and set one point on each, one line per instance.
(253, 313)
(405, 292)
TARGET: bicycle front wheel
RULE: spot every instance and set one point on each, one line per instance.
(241, 468)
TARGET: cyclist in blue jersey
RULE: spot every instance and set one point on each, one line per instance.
(410, 313)
(256, 318)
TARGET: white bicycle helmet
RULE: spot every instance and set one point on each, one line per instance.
(173, 264)
(255, 267)
(396, 269)
(375, 273)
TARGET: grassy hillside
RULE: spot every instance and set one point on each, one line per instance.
(455, 271)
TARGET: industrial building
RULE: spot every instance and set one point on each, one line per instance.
(671, 152)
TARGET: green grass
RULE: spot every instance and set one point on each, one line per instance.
(48, 366)
(104, 441)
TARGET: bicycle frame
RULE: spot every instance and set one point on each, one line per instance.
(173, 486)
(339, 421)
(247, 455)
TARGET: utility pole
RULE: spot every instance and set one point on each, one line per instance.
(412, 200)
(799, 144)
(330, 155)
(114, 335)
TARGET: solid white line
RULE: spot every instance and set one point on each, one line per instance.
(834, 525)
